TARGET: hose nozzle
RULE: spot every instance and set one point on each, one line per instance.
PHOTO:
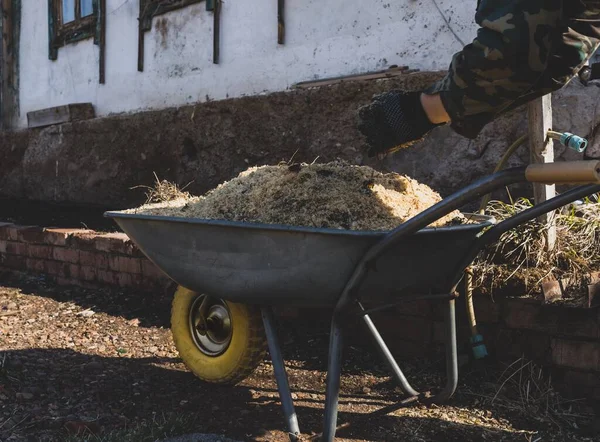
(572, 141)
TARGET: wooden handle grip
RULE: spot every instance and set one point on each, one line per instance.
(574, 172)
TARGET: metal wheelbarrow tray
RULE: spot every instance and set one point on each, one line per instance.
(269, 265)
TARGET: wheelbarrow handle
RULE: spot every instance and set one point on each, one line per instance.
(581, 172)
(573, 172)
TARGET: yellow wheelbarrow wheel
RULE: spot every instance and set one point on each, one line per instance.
(219, 341)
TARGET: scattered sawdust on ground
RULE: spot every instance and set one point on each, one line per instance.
(333, 195)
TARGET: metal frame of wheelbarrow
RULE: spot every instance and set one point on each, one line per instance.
(349, 296)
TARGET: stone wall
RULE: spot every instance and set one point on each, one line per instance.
(104, 160)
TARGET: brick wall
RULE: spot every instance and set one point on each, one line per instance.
(565, 339)
(78, 257)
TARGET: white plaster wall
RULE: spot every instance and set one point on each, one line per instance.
(323, 39)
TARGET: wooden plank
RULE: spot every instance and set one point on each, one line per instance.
(376, 75)
(542, 151)
(60, 114)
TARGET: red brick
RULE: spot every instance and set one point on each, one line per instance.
(10, 232)
(16, 248)
(87, 259)
(552, 320)
(62, 269)
(101, 261)
(31, 235)
(114, 243)
(151, 271)
(512, 344)
(60, 237)
(42, 252)
(5, 228)
(12, 262)
(124, 264)
(3, 246)
(107, 277)
(71, 271)
(83, 240)
(486, 310)
(128, 280)
(576, 354)
(88, 273)
(65, 255)
(520, 314)
(578, 327)
(35, 265)
(53, 267)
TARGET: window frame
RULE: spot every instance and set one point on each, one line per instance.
(150, 9)
(80, 28)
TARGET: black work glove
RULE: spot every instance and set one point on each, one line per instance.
(392, 121)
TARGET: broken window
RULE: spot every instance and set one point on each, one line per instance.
(71, 21)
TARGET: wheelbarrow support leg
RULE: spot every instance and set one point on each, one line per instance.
(389, 358)
(334, 370)
(451, 355)
(280, 375)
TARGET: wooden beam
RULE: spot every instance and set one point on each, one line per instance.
(102, 41)
(9, 58)
(217, 32)
(376, 75)
(60, 114)
(542, 151)
(281, 22)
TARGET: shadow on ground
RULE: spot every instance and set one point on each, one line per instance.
(64, 386)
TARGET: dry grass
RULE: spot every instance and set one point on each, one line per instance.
(526, 389)
(522, 252)
(164, 191)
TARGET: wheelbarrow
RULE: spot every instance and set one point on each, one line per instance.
(232, 274)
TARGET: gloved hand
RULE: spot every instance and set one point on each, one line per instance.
(392, 121)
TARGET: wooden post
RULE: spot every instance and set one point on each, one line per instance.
(281, 22)
(542, 151)
(9, 59)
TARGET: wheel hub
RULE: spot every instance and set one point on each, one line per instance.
(210, 325)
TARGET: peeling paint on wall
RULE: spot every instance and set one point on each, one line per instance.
(322, 39)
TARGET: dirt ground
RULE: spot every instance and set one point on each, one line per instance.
(100, 365)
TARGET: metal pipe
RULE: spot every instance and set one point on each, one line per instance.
(451, 355)
(408, 299)
(334, 370)
(280, 375)
(389, 358)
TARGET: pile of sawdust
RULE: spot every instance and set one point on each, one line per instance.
(333, 195)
